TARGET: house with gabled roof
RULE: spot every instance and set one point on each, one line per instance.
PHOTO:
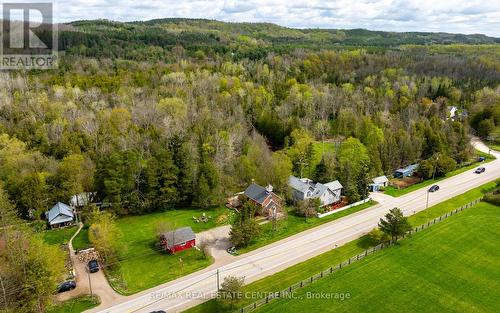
(265, 198)
(378, 182)
(60, 215)
(305, 188)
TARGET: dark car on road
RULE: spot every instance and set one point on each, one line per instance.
(158, 311)
(480, 170)
(66, 286)
(93, 266)
(434, 188)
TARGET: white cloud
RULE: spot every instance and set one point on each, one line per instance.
(456, 16)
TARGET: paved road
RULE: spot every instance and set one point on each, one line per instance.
(190, 290)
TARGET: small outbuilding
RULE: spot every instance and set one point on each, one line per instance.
(82, 199)
(60, 215)
(178, 240)
(378, 182)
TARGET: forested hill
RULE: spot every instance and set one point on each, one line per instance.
(243, 40)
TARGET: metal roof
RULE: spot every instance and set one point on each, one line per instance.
(309, 189)
(380, 180)
(180, 235)
(334, 185)
(60, 213)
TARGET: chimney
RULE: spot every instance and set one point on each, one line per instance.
(269, 188)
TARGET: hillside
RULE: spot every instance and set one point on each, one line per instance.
(243, 40)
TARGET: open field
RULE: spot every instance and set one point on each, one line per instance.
(450, 267)
(75, 305)
(140, 252)
(293, 274)
(294, 224)
(392, 191)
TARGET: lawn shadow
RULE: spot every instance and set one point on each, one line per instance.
(366, 242)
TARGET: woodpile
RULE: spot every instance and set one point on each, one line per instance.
(88, 255)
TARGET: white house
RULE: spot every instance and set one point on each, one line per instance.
(60, 215)
(380, 181)
(304, 188)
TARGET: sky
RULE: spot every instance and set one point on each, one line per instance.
(454, 16)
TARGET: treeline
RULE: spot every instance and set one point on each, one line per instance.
(154, 40)
(190, 130)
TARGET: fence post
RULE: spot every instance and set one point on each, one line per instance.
(349, 261)
(366, 252)
(331, 269)
(340, 265)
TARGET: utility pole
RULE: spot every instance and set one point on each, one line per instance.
(274, 220)
(435, 167)
(218, 281)
(90, 282)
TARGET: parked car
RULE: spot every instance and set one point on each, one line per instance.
(434, 188)
(232, 250)
(480, 170)
(481, 159)
(93, 266)
(66, 286)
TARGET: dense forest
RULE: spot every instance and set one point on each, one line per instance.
(168, 113)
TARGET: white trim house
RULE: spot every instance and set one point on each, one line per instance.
(305, 188)
(60, 215)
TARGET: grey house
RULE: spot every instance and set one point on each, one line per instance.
(304, 188)
(60, 215)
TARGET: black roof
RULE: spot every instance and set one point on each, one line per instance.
(256, 193)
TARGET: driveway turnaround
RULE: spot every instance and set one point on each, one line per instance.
(198, 287)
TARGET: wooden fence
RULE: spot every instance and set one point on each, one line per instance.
(287, 293)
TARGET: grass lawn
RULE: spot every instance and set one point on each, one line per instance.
(75, 305)
(140, 252)
(294, 224)
(293, 274)
(392, 191)
(59, 236)
(81, 241)
(450, 267)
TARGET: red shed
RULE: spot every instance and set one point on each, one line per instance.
(178, 240)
